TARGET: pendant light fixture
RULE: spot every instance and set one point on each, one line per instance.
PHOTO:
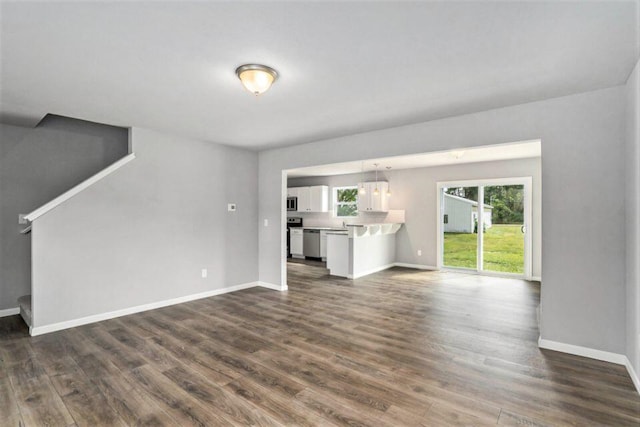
(376, 192)
(362, 190)
(256, 78)
(388, 185)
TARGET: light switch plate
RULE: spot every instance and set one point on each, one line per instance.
(266, 222)
(231, 207)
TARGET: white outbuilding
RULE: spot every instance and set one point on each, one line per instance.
(460, 214)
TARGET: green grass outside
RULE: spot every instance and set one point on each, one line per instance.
(503, 249)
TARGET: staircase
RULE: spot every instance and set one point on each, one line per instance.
(25, 308)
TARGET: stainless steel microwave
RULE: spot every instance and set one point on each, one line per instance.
(292, 203)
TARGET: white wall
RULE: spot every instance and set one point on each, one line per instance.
(632, 196)
(143, 234)
(415, 192)
(37, 165)
(583, 137)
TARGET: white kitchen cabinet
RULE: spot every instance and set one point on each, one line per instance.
(296, 241)
(304, 199)
(319, 198)
(371, 202)
(311, 199)
(323, 245)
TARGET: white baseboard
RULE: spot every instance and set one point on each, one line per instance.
(9, 312)
(434, 268)
(416, 266)
(619, 359)
(144, 307)
(633, 374)
(373, 270)
(272, 286)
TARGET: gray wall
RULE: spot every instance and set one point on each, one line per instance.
(632, 195)
(583, 233)
(414, 191)
(142, 234)
(37, 165)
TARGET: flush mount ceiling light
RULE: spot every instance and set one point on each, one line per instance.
(256, 78)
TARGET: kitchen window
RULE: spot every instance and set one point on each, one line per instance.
(345, 201)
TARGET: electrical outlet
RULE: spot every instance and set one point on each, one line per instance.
(266, 222)
(231, 207)
(204, 273)
(419, 252)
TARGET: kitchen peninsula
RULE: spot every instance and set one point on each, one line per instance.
(362, 249)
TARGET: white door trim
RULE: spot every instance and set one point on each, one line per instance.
(526, 181)
(283, 231)
(479, 235)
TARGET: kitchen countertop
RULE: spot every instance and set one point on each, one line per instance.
(325, 228)
(372, 224)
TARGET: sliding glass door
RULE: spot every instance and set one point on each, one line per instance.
(460, 241)
(504, 229)
(483, 226)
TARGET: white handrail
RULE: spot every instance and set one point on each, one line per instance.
(78, 188)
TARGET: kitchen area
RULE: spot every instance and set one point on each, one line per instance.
(349, 229)
(308, 242)
(356, 218)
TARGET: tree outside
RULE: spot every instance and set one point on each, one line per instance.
(507, 201)
(347, 201)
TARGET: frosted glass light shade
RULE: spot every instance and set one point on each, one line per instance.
(257, 79)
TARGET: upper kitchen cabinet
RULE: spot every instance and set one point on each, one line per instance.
(304, 199)
(311, 199)
(372, 202)
(319, 198)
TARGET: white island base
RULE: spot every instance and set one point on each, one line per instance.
(363, 250)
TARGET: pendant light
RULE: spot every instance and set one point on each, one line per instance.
(388, 185)
(376, 192)
(362, 190)
(256, 78)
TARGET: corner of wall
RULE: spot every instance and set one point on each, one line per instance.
(632, 221)
(130, 140)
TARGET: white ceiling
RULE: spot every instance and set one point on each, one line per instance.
(517, 150)
(345, 67)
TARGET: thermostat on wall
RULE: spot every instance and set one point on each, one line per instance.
(231, 207)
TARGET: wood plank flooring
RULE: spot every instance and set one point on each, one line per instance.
(400, 347)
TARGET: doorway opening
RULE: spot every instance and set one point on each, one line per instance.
(484, 226)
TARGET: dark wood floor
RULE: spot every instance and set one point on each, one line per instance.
(401, 347)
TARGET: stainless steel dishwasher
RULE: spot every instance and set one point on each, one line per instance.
(311, 244)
